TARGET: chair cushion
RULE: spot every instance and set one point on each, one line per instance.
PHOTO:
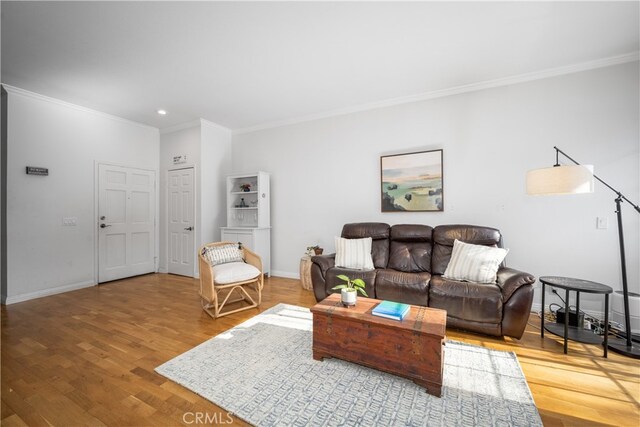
(222, 254)
(354, 253)
(232, 272)
(474, 263)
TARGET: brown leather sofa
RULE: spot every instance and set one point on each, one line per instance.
(409, 262)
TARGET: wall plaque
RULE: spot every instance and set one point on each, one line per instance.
(32, 170)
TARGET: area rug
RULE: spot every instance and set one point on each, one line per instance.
(262, 371)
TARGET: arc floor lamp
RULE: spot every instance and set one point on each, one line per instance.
(578, 178)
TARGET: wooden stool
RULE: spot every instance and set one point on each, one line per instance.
(305, 272)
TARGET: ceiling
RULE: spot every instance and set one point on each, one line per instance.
(247, 64)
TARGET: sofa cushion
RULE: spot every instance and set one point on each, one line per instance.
(354, 253)
(369, 277)
(445, 235)
(474, 263)
(410, 248)
(379, 233)
(466, 300)
(410, 288)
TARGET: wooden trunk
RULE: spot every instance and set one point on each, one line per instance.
(411, 348)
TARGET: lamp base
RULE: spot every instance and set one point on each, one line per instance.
(620, 346)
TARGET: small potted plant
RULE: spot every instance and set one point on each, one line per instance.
(349, 291)
(314, 250)
(245, 187)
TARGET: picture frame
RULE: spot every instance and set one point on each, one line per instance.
(412, 182)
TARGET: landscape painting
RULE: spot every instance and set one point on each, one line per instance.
(412, 182)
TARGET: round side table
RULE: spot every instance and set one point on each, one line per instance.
(575, 333)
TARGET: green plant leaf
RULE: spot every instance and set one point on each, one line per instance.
(343, 277)
(359, 282)
(362, 292)
(340, 287)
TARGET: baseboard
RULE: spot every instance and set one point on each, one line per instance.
(7, 300)
(163, 270)
(285, 274)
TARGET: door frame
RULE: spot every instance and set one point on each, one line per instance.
(96, 199)
(165, 226)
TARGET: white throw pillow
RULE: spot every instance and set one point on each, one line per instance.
(354, 253)
(474, 263)
(232, 272)
(222, 254)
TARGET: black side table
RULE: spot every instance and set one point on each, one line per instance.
(572, 332)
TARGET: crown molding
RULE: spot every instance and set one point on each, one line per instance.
(215, 125)
(181, 126)
(23, 92)
(192, 124)
(487, 84)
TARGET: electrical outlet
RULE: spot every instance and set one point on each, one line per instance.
(69, 221)
(602, 223)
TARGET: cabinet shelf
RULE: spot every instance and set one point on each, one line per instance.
(244, 192)
(244, 209)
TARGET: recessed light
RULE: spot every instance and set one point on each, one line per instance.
(162, 112)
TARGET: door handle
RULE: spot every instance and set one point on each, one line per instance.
(104, 225)
(189, 228)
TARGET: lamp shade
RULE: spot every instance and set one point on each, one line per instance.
(572, 179)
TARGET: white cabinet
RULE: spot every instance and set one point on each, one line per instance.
(248, 214)
(258, 239)
(248, 200)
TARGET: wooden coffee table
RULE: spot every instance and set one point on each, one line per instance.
(411, 348)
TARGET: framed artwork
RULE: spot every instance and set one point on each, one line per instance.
(412, 182)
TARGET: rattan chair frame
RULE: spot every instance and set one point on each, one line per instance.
(214, 296)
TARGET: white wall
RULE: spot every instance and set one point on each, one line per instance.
(43, 256)
(208, 149)
(184, 141)
(326, 172)
(216, 164)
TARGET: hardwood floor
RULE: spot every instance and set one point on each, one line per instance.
(87, 358)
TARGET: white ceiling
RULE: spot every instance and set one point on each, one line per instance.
(246, 64)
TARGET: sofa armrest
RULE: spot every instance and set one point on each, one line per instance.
(324, 262)
(510, 280)
(319, 266)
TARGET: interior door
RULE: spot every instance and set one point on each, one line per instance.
(126, 221)
(181, 222)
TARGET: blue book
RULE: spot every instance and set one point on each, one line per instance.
(391, 310)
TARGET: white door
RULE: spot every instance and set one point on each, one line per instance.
(126, 221)
(181, 222)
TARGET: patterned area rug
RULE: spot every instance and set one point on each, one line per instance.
(263, 372)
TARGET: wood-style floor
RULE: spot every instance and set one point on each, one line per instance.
(87, 358)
